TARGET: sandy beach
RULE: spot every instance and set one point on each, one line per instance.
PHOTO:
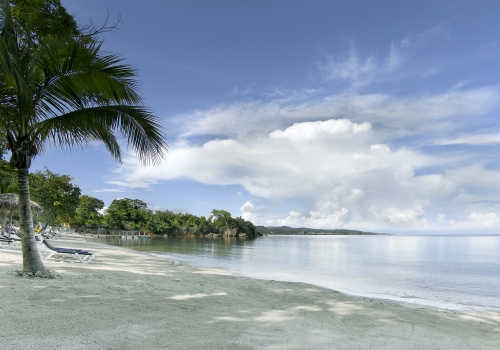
(129, 300)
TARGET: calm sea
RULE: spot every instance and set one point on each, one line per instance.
(451, 272)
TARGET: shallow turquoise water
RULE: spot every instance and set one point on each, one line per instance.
(444, 271)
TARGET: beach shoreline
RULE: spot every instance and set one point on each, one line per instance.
(126, 299)
(417, 302)
(396, 277)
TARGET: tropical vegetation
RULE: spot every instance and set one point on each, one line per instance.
(64, 205)
(55, 193)
(133, 214)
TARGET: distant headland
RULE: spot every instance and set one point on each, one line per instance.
(286, 230)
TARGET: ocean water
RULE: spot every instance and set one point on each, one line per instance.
(453, 272)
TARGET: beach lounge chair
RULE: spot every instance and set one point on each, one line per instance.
(14, 238)
(82, 255)
(5, 241)
(38, 238)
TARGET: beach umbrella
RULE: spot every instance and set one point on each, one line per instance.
(10, 202)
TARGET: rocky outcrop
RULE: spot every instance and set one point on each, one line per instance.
(230, 232)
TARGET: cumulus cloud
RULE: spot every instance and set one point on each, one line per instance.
(317, 155)
(250, 212)
(477, 221)
(246, 211)
(327, 215)
(320, 130)
(413, 216)
(332, 164)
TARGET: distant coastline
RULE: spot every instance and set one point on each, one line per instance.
(286, 230)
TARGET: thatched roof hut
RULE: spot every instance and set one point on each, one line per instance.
(9, 202)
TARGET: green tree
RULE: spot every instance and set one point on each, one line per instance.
(162, 222)
(8, 178)
(56, 194)
(66, 93)
(222, 219)
(43, 20)
(88, 212)
(3, 146)
(130, 214)
(204, 225)
(245, 226)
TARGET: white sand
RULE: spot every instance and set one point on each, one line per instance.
(127, 300)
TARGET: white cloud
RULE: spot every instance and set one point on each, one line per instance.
(324, 162)
(381, 148)
(327, 215)
(249, 211)
(238, 91)
(356, 194)
(246, 211)
(111, 190)
(394, 116)
(478, 221)
(326, 129)
(348, 68)
(476, 179)
(394, 59)
(125, 184)
(408, 46)
(413, 216)
(441, 217)
(319, 153)
(484, 220)
(359, 72)
(475, 139)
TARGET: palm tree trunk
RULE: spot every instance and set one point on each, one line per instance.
(4, 222)
(32, 261)
(10, 224)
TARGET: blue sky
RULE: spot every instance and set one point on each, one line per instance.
(366, 115)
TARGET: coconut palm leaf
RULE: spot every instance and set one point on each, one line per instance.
(80, 127)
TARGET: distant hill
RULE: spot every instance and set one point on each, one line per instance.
(285, 230)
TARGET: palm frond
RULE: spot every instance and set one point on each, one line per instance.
(139, 127)
(79, 74)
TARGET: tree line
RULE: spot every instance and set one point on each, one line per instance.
(63, 203)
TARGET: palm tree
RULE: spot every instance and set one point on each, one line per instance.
(66, 93)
